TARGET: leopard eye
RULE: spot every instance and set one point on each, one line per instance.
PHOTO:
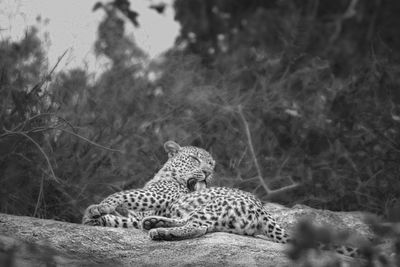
(196, 158)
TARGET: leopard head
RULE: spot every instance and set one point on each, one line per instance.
(190, 165)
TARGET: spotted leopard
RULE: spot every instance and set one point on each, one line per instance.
(205, 210)
(221, 209)
(188, 168)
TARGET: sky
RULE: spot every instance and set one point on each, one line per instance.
(71, 25)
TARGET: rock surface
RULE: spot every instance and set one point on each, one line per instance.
(68, 244)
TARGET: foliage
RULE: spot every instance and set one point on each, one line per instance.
(310, 239)
(281, 93)
(53, 164)
(318, 90)
(21, 163)
(381, 250)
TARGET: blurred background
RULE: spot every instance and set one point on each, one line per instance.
(279, 91)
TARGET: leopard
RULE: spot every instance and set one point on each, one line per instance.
(188, 168)
(177, 204)
(223, 209)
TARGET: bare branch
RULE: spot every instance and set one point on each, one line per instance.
(40, 149)
(22, 124)
(48, 76)
(281, 190)
(251, 147)
(39, 197)
(269, 191)
(349, 13)
(41, 129)
(85, 139)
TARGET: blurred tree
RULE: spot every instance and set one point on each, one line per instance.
(108, 111)
(22, 65)
(317, 87)
(53, 161)
(343, 31)
(276, 90)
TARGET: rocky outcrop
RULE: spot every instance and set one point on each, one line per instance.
(28, 241)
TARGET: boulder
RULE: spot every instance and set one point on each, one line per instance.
(27, 241)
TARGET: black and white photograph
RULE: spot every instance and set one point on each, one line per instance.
(200, 133)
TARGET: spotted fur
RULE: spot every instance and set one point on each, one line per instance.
(178, 213)
(215, 209)
(188, 168)
(220, 209)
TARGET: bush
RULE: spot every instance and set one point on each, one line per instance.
(270, 94)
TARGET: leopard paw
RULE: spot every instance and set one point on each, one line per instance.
(157, 234)
(94, 212)
(151, 222)
(92, 222)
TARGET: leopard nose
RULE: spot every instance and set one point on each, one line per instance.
(206, 172)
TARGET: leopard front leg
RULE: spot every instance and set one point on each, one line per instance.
(178, 233)
(120, 204)
(151, 222)
(94, 212)
(129, 220)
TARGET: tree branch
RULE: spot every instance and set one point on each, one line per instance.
(269, 191)
(251, 147)
(83, 138)
(40, 149)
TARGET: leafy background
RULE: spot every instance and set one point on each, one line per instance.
(281, 92)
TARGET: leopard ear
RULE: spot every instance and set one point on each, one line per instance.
(171, 148)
